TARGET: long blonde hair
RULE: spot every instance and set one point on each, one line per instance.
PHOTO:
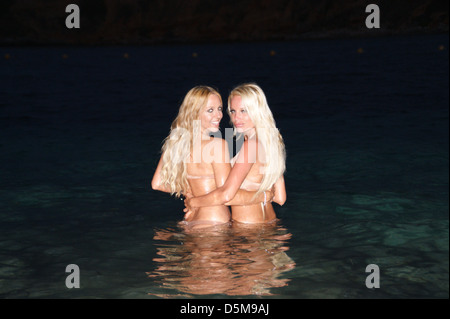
(267, 134)
(178, 145)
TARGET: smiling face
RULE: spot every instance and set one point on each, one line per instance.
(239, 115)
(211, 114)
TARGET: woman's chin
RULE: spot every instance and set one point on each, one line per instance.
(213, 129)
(244, 130)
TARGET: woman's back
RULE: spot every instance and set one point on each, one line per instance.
(202, 180)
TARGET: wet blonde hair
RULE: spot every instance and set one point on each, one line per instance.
(268, 136)
(178, 145)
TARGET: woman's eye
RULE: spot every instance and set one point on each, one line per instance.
(220, 109)
(210, 111)
(232, 111)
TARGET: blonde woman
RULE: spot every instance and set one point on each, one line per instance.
(260, 163)
(194, 162)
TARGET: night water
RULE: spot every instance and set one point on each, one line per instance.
(365, 123)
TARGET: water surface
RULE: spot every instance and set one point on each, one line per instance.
(367, 171)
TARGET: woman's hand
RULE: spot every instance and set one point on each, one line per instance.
(189, 214)
(270, 194)
(188, 210)
(187, 199)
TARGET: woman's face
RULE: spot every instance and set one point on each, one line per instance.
(211, 114)
(239, 116)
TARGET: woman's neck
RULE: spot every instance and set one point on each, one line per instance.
(205, 135)
(250, 133)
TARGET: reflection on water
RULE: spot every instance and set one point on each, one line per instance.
(233, 260)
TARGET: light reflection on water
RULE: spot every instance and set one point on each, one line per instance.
(232, 260)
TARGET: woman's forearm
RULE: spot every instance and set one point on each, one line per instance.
(219, 197)
(215, 198)
(244, 197)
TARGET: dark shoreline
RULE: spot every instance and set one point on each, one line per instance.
(310, 36)
(173, 22)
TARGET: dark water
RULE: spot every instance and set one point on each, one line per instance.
(367, 171)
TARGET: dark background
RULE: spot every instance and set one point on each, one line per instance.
(114, 22)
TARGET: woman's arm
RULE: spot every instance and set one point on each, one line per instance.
(244, 197)
(156, 181)
(222, 168)
(230, 183)
(156, 185)
(279, 191)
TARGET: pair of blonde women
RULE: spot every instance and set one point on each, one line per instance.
(198, 166)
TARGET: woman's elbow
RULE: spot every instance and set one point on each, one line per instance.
(280, 201)
(225, 196)
(155, 185)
